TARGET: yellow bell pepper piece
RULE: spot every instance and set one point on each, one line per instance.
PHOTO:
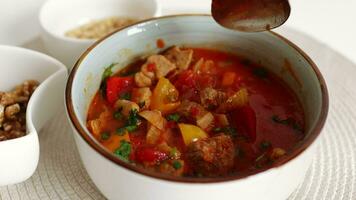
(191, 133)
(165, 96)
(114, 141)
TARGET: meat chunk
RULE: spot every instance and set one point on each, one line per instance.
(195, 111)
(142, 80)
(182, 58)
(191, 109)
(212, 98)
(142, 96)
(211, 156)
(159, 65)
(126, 106)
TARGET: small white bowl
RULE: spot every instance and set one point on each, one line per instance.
(19, 157)
(120, 180)
(57, 17)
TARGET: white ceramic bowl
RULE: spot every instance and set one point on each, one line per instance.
(59, 16)
(119, 180)
(19, 157)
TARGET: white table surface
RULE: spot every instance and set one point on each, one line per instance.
(330, 21)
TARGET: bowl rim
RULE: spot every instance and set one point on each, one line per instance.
(44, 8)
(315, 132)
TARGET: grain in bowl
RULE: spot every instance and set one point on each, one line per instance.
(96, 29)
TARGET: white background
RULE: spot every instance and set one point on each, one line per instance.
(330, 21)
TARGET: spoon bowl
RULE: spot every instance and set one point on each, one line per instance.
(250, 15)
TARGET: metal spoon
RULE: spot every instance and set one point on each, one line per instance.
(250, 15)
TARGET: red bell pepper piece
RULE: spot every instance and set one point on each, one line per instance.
(246, 122)
(150, 155)
(115, 86)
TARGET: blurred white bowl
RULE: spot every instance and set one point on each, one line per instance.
(19, 157)
(57, 17)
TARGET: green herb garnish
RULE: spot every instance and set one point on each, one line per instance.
(133, 118)
(228, 130)
(125, 96)
(123, 152)
(107, 73)
(288, 122)
(121, 131)
(131, 128)
(174, 152)
(173, 117)
(264, 145)
(176, 164)
(118, 115)
(260, 72)
(105, 135)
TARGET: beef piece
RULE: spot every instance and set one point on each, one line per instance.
(142, 80)
(211, 98)
(182, 58)
(211, 156)
(191, 109)
(160, 66)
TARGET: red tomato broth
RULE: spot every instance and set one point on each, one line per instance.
(269, 96)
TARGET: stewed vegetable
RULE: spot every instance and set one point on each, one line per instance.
(196, 112)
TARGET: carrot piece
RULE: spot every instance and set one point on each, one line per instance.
(228, 78)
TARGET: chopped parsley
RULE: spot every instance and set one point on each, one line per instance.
(228, 130)
(131, 128)
(176, 164)
(121, 131)
(105, 135)
(174, 153)
(125, 96)
(288, 122)
(118, 115)
(173, 117)
(123, 152)
(260, 72)
(264, 145)
(133, 118)
(107, 73)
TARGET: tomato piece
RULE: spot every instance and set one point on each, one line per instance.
(246, 122)
(117, 85)
(150, 155)
(151, 67)
(185, 81)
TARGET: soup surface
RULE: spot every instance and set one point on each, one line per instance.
(196, 112)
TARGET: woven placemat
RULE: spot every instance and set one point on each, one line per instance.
(60, 173)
